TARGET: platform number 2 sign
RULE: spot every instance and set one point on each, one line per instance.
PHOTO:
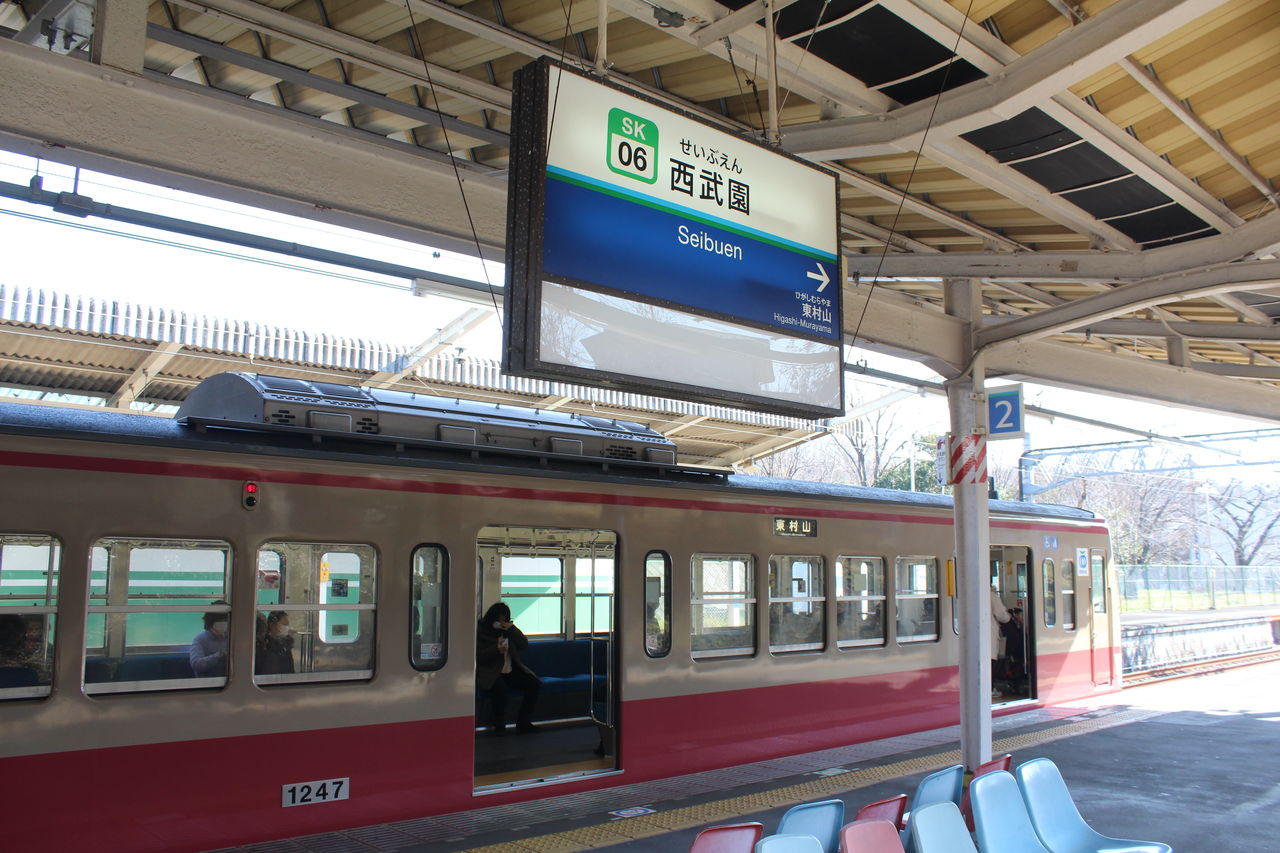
(1004, 412)
(633, 146)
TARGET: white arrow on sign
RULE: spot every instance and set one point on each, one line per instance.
(820, 275)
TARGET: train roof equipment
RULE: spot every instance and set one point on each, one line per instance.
(255, 401)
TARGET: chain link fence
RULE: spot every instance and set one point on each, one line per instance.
(1189, 587)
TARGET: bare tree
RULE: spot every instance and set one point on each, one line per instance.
(1151, 514)
(794, 463)
(871, 445)
(1247, 517)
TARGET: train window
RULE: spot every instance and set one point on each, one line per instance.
(427, 598)
(532, 587)
(1098, 581)
(859, 601)
(269, 577)
(28, 611)
(723, 605)
(797, 603)
(917, 599)
(593, 598)
(322, 626)
(158, 615)
(1068, 595)
(657, 604)
(1050, 593)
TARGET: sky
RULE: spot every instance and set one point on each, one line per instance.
(103, 259)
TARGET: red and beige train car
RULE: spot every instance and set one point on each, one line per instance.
(680, 619)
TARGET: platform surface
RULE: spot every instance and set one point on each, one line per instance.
(1192, 762)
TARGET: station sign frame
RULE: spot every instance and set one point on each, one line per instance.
(734, 314)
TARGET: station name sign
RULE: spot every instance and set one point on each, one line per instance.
(652, 250)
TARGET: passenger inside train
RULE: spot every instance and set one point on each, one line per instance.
(274, 655)
(499, 669)
(17, 653)
(209, 647)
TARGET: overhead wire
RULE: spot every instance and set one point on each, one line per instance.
(453, 159)
(893, 227)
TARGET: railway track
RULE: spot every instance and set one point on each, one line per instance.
(1206, 667)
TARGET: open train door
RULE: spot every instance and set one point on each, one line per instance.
(1014, 676)
(1100, 632)
(559, 584)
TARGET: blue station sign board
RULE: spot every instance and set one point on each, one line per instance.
(667, 208)
(733, 246)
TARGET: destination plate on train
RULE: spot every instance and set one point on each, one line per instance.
(795, 526)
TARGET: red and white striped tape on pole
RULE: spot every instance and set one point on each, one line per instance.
(966, 459)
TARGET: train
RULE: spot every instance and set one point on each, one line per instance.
(679, 618)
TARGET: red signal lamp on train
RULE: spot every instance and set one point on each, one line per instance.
(249, 494)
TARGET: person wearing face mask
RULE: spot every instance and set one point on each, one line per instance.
(274, 654)
(209, 648)
(498, 667)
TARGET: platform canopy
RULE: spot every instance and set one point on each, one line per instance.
(1107, 171)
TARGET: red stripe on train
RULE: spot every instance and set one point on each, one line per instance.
(229, 472)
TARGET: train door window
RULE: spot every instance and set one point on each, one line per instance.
(916, 599)
(1068, 595)
(859, 601)
(593, 594)
(158, 615)
(1098, 581)
(323, 625)
(797, 603)
(533, 587)
(427, 598)
(270, 577)
(723, 606)
(28, 611)
(1050, 593)
(657, 604)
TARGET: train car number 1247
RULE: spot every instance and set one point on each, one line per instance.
(322, 791)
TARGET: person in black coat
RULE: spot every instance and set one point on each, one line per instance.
(498, 668)
(275, 646)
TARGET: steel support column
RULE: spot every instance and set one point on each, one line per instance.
(965, 400)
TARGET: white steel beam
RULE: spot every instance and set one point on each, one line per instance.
(1134, 377)
(1253, 332)
(1026, 82)
(682, 423)
(1247, 275)
(120, 33)
(291, 74)
(263, 19)
(949, 26)
(466, 322)
(798, 70)
(32, 31)
(1258, 237)
(734, 21)
(896, 325)
(1240, 371)
(982, 168)
(1191, 120)
(859, 181)
(142, 375)
(81, 114)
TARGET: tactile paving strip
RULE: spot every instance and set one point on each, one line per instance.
(626, 829)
